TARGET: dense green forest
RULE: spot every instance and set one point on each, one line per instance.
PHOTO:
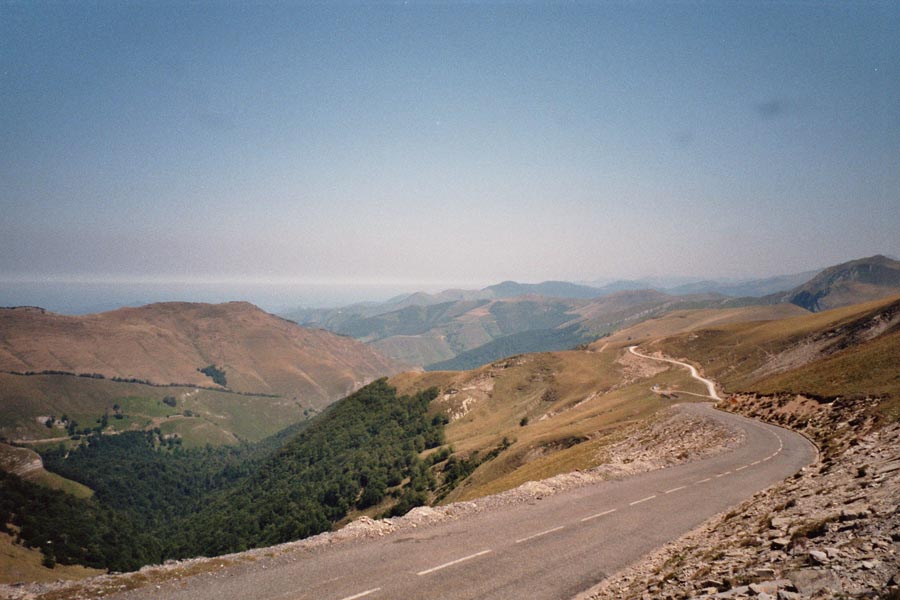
(347, 459)
(363, 451)
(70, 530)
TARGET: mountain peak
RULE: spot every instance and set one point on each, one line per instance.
(848, 283)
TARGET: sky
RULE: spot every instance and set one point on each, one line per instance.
(425, 144)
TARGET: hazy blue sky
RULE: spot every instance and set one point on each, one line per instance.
(385, 144)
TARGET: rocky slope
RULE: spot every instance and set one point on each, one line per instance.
(831, 531)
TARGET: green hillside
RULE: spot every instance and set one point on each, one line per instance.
(363, 453)
(78, 405)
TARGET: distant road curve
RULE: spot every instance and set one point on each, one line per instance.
(546, 549)
(694, 373)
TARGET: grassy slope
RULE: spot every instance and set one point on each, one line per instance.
(735, 354)
(589, 398)
(682, 321)
(577, 394)
(18, 460)
(168, 342)
(219, 417)
(18, 564)
(872, 369)
(840, 352)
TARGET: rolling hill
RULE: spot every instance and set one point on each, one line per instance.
(851, 352)
(462, 329)
(207, 373)
(442, 436)
(172, 342)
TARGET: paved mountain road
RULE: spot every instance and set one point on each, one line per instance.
(551, 548)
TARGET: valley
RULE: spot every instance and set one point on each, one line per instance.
(154, 367)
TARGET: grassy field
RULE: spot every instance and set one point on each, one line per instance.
(557, 410)
(200, 416)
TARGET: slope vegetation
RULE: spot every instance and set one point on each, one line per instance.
(850, 351)
(538, 415)
(56, 407)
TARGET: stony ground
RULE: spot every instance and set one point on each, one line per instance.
(831, 531)
(672, 437)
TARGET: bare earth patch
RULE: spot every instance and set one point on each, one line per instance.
(635, 368)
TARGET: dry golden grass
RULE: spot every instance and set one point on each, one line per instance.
(571, 399)
(871, 369)
(681, 321)
(828, 354)
(20, 564)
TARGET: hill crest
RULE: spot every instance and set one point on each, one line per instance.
(172, 342)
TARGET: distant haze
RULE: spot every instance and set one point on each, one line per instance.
(82, 297)
(150, 151)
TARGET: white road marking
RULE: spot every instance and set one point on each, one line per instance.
(531, 537)
(767, 458)
(703, 480)
(724, 474)
(675, 489)
(742, 468)
(642, 500)
(452, 562)
(754, 463)
(361, 594)
(605, 512)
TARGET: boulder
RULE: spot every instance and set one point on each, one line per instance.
(813, 581)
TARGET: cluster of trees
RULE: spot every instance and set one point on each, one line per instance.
(348, 458)
(69, 530)
(146, 476)
(216, 374)
(362, 452)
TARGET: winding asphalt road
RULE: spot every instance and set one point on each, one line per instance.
(551, 548)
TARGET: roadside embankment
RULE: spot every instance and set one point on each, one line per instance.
(831, 531)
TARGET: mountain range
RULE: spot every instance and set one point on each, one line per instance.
(461, 329)
(159, 381)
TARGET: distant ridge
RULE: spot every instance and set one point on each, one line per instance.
(848, 283)
(461, 329)
(548, 289)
